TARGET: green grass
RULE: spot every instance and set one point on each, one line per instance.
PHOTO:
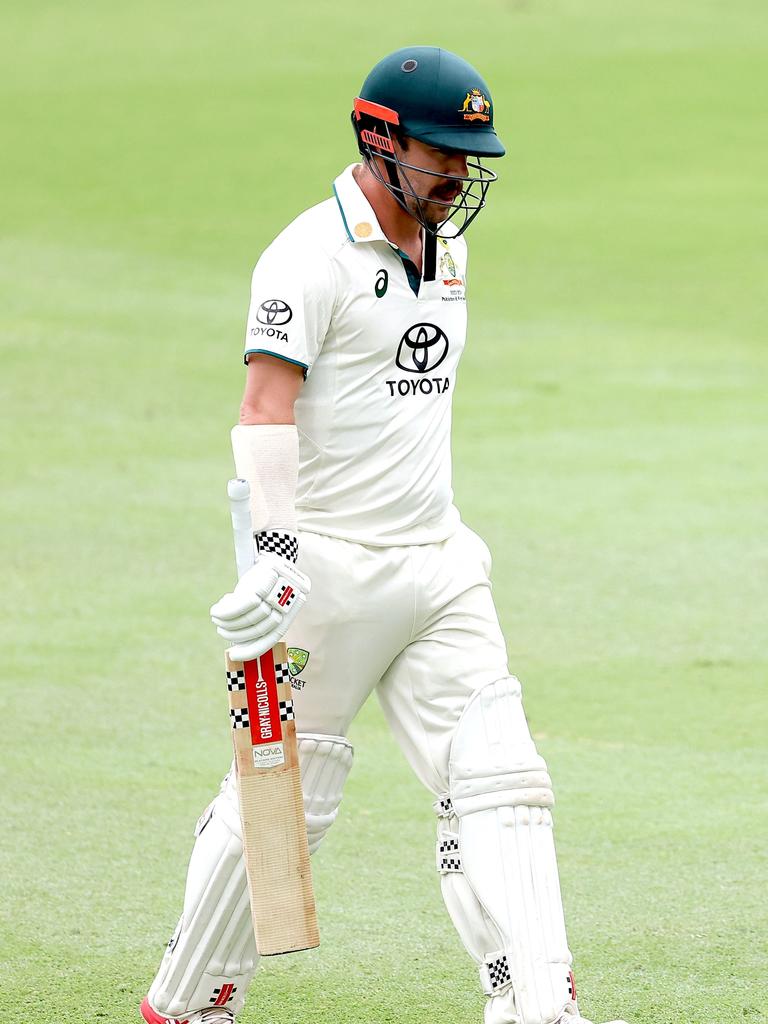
(611, 443)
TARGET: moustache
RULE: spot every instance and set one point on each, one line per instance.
(445, 194)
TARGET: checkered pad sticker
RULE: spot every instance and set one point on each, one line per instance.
(499, 973)
(286, 711)
(282, 672)
(443, 807)
(279, 543)
(448, 864)
(239, 718)
(448, 858)
(236, 680)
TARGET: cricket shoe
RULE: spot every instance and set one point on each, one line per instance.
(211, 1015)
(570, 1018)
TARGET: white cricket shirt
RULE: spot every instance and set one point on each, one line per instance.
(332, 295)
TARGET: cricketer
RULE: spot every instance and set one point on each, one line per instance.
(356, 325)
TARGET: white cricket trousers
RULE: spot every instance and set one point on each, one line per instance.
(417, 624)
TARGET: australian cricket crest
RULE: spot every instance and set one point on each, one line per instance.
(448, 270)
(450, 276)
(476, 107)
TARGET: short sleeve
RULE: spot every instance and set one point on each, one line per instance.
(292, 299)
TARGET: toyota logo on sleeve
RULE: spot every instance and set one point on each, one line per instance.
(274, 313)
(422, 348)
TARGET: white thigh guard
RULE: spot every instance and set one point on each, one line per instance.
(212, 956)
(496, 855)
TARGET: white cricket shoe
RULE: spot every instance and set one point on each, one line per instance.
(569, 1018)
(211, 1015)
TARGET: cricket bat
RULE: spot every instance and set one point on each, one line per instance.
(268, 780)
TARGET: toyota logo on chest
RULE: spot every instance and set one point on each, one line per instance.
(422, 348)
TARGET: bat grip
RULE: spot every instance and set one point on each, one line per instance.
(239, 493)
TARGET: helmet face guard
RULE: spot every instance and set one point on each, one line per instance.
(373, 125)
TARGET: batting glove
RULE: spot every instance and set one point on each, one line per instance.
(258, 612)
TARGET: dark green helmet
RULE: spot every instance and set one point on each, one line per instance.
(438, 98)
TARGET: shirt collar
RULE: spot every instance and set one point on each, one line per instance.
(356, 212)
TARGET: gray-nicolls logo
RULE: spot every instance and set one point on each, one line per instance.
(422, 348)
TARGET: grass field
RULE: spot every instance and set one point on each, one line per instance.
(611, 444)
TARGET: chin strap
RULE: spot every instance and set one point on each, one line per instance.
(430, 240)
(430, 255)
(394, 177)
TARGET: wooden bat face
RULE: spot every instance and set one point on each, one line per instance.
(275, 846)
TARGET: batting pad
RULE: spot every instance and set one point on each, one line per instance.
(325, 764)
(211, 957)
(496, 856)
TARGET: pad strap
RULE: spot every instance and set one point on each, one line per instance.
(496, 973)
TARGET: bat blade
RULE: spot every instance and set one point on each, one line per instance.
(275, 846)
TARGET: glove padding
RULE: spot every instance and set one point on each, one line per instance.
(266, 600)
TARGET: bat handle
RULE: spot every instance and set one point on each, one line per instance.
(239, 493)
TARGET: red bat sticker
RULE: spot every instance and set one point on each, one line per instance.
(263, 704)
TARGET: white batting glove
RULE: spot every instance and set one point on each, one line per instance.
(257, 614)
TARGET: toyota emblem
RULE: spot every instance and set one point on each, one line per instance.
(274, 313)
(422, 348)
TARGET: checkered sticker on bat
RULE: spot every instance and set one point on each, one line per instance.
(239, 717)
(286, 711)
(236, 680)
(282, 672)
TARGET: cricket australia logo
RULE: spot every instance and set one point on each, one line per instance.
(422, 348)
(297, 660)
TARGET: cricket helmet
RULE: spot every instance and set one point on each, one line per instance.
(436, 97)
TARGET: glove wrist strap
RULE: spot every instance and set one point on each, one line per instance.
(278, 542)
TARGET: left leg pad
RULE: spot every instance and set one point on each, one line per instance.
(496, 856)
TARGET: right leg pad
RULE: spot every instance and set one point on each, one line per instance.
(213, 945)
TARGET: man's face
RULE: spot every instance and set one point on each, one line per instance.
(437, 187)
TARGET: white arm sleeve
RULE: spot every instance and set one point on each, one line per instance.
(267, 456)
